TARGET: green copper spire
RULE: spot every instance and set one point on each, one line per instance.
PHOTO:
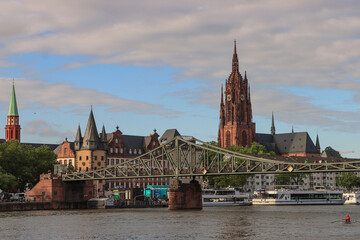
(13, 110)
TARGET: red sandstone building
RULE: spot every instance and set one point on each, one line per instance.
(236, 126)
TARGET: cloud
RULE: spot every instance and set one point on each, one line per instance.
(44, 130)
(280, 43)
(37, 93)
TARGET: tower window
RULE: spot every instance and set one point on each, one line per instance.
(227, 139)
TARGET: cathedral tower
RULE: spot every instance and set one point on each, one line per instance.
(236, 126)
(12, 129)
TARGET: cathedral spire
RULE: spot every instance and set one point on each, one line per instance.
(272, 124)
(317, 143)
(235, 61)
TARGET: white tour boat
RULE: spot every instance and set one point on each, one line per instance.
(298, 197)
(352, 198)
(224, 197)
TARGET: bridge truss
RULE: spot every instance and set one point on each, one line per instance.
(181, 158)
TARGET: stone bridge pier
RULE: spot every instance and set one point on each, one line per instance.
(185, 195)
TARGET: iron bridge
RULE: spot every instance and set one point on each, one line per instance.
(182, 158)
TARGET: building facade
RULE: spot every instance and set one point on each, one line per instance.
(236, 126)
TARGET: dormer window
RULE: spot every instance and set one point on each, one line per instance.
(111, 150)
(121, 150)
(139, 151)
(116, 150)
(135, 151)
(130, 152)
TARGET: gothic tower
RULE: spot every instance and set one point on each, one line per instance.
(12, 129)
(91, 150)
(236, 126)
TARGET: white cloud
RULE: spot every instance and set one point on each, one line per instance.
(36, 93)
(280, 43)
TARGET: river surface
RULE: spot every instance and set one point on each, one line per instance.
(249, 222)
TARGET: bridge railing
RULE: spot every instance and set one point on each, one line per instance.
(178, 157)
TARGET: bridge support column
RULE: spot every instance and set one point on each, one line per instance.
(185, 195)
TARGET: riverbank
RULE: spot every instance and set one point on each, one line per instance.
(27, 206)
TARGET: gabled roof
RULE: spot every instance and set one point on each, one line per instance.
(267, 140)
(169, 134)
(294, 143)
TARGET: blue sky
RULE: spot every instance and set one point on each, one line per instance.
(160, 64)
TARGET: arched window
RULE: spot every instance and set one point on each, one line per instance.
(227, 143)
(244, 138)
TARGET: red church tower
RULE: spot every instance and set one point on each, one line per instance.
(236, 126)
(12, 129)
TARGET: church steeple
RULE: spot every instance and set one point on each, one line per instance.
(13, 110)
(317, 143)
(235, 61)
(272, 124)
(12, 129)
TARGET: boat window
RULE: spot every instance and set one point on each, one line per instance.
(208, 192)
(225, 192)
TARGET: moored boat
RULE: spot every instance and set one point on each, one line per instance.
(352, 198)
(224, 197)
(298, 197)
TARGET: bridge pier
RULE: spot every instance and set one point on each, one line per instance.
(185, 195)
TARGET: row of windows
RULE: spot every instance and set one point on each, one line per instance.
(95, 158)
(130, 151)
(66, 162)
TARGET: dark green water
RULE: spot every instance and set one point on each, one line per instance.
(264, 222)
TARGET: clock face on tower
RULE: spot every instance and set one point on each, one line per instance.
(242, 97)
(229, 97)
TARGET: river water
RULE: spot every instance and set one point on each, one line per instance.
(244, 222)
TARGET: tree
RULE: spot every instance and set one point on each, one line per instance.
(71, 168)
(25, 162)
(348, 180)
(7, 181)
(237, 180)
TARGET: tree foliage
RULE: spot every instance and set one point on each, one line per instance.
(348, 180)
(23, 163)
(237, 180)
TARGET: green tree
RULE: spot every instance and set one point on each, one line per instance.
(71, 168)
(25, 162)
(237, 180)
(348, 180)
(7, 181)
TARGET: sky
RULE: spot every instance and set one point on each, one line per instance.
(145, 65)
